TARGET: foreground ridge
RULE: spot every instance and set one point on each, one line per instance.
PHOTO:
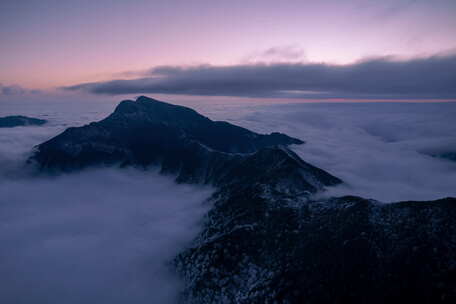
(263, 247)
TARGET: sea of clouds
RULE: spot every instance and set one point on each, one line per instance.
(97, 236)
(106, 235)
(382, 151)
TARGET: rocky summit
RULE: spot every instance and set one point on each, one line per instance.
(18, 120)
(266, 238)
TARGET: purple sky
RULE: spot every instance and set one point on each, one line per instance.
(48, 44)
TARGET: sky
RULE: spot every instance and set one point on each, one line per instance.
(334, 49)
(83, 242)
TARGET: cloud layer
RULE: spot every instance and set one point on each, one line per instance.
(379, 78)
(102, 236)
(381, 150)
(98, 236)
(105, 235)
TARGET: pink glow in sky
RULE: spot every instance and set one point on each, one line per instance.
(48, 43)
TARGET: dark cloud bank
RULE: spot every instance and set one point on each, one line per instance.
(380, 78)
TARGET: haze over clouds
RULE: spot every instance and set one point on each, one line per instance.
(378, 78)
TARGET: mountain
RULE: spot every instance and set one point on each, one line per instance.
(266, 239)
(144, 131)
(183, 143)
(15, 121)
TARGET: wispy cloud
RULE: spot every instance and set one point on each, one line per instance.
(385, 10)
(11, 90)
(278, 54)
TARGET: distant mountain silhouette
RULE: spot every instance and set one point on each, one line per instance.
(18, 120)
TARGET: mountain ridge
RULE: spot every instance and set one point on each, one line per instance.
(266, 239)
(147, 132)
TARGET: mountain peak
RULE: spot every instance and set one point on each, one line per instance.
(143, 98)
(147, 113)
(142, 131)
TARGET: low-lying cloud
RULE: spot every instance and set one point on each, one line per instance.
(101, 236)
(378, 78)
(106, 235)
(381, 150)
(97, 236)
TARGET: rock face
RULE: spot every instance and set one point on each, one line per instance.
(265, 240)
(15, 121)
